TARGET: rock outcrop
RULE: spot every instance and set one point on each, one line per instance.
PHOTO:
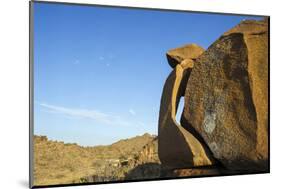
(225, 113)
(177, 146)
(149, 153)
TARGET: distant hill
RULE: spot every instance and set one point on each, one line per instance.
(64, 163)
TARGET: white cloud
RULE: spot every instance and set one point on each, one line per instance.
(132, 112)
(86, 114)
(101, 58)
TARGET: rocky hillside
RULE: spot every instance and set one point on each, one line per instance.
(63, 163)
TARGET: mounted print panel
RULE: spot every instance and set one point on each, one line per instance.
(122, 94)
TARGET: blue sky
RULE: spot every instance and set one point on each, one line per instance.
(99, 71)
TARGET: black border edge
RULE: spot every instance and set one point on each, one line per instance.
(31, 88)
(31, 93)
(268, 85)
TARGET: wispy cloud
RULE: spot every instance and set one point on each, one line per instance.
(132, 112)
(86, 114)
(101, 58)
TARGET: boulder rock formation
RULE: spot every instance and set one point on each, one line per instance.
(225, 116)
(177, 146)
(226, 97)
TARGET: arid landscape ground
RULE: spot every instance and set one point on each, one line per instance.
(61, 163)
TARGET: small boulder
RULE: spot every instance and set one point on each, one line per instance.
(177, 55)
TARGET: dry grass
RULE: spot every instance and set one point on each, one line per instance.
(59, 163)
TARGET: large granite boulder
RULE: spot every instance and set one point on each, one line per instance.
(178, 147)
(226, 97)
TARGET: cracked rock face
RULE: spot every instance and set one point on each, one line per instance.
(226, 97)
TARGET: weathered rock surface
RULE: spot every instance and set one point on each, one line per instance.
(178, 147)
(177, 55)
(226, 97)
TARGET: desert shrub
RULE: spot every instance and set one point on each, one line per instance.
(83, 180)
